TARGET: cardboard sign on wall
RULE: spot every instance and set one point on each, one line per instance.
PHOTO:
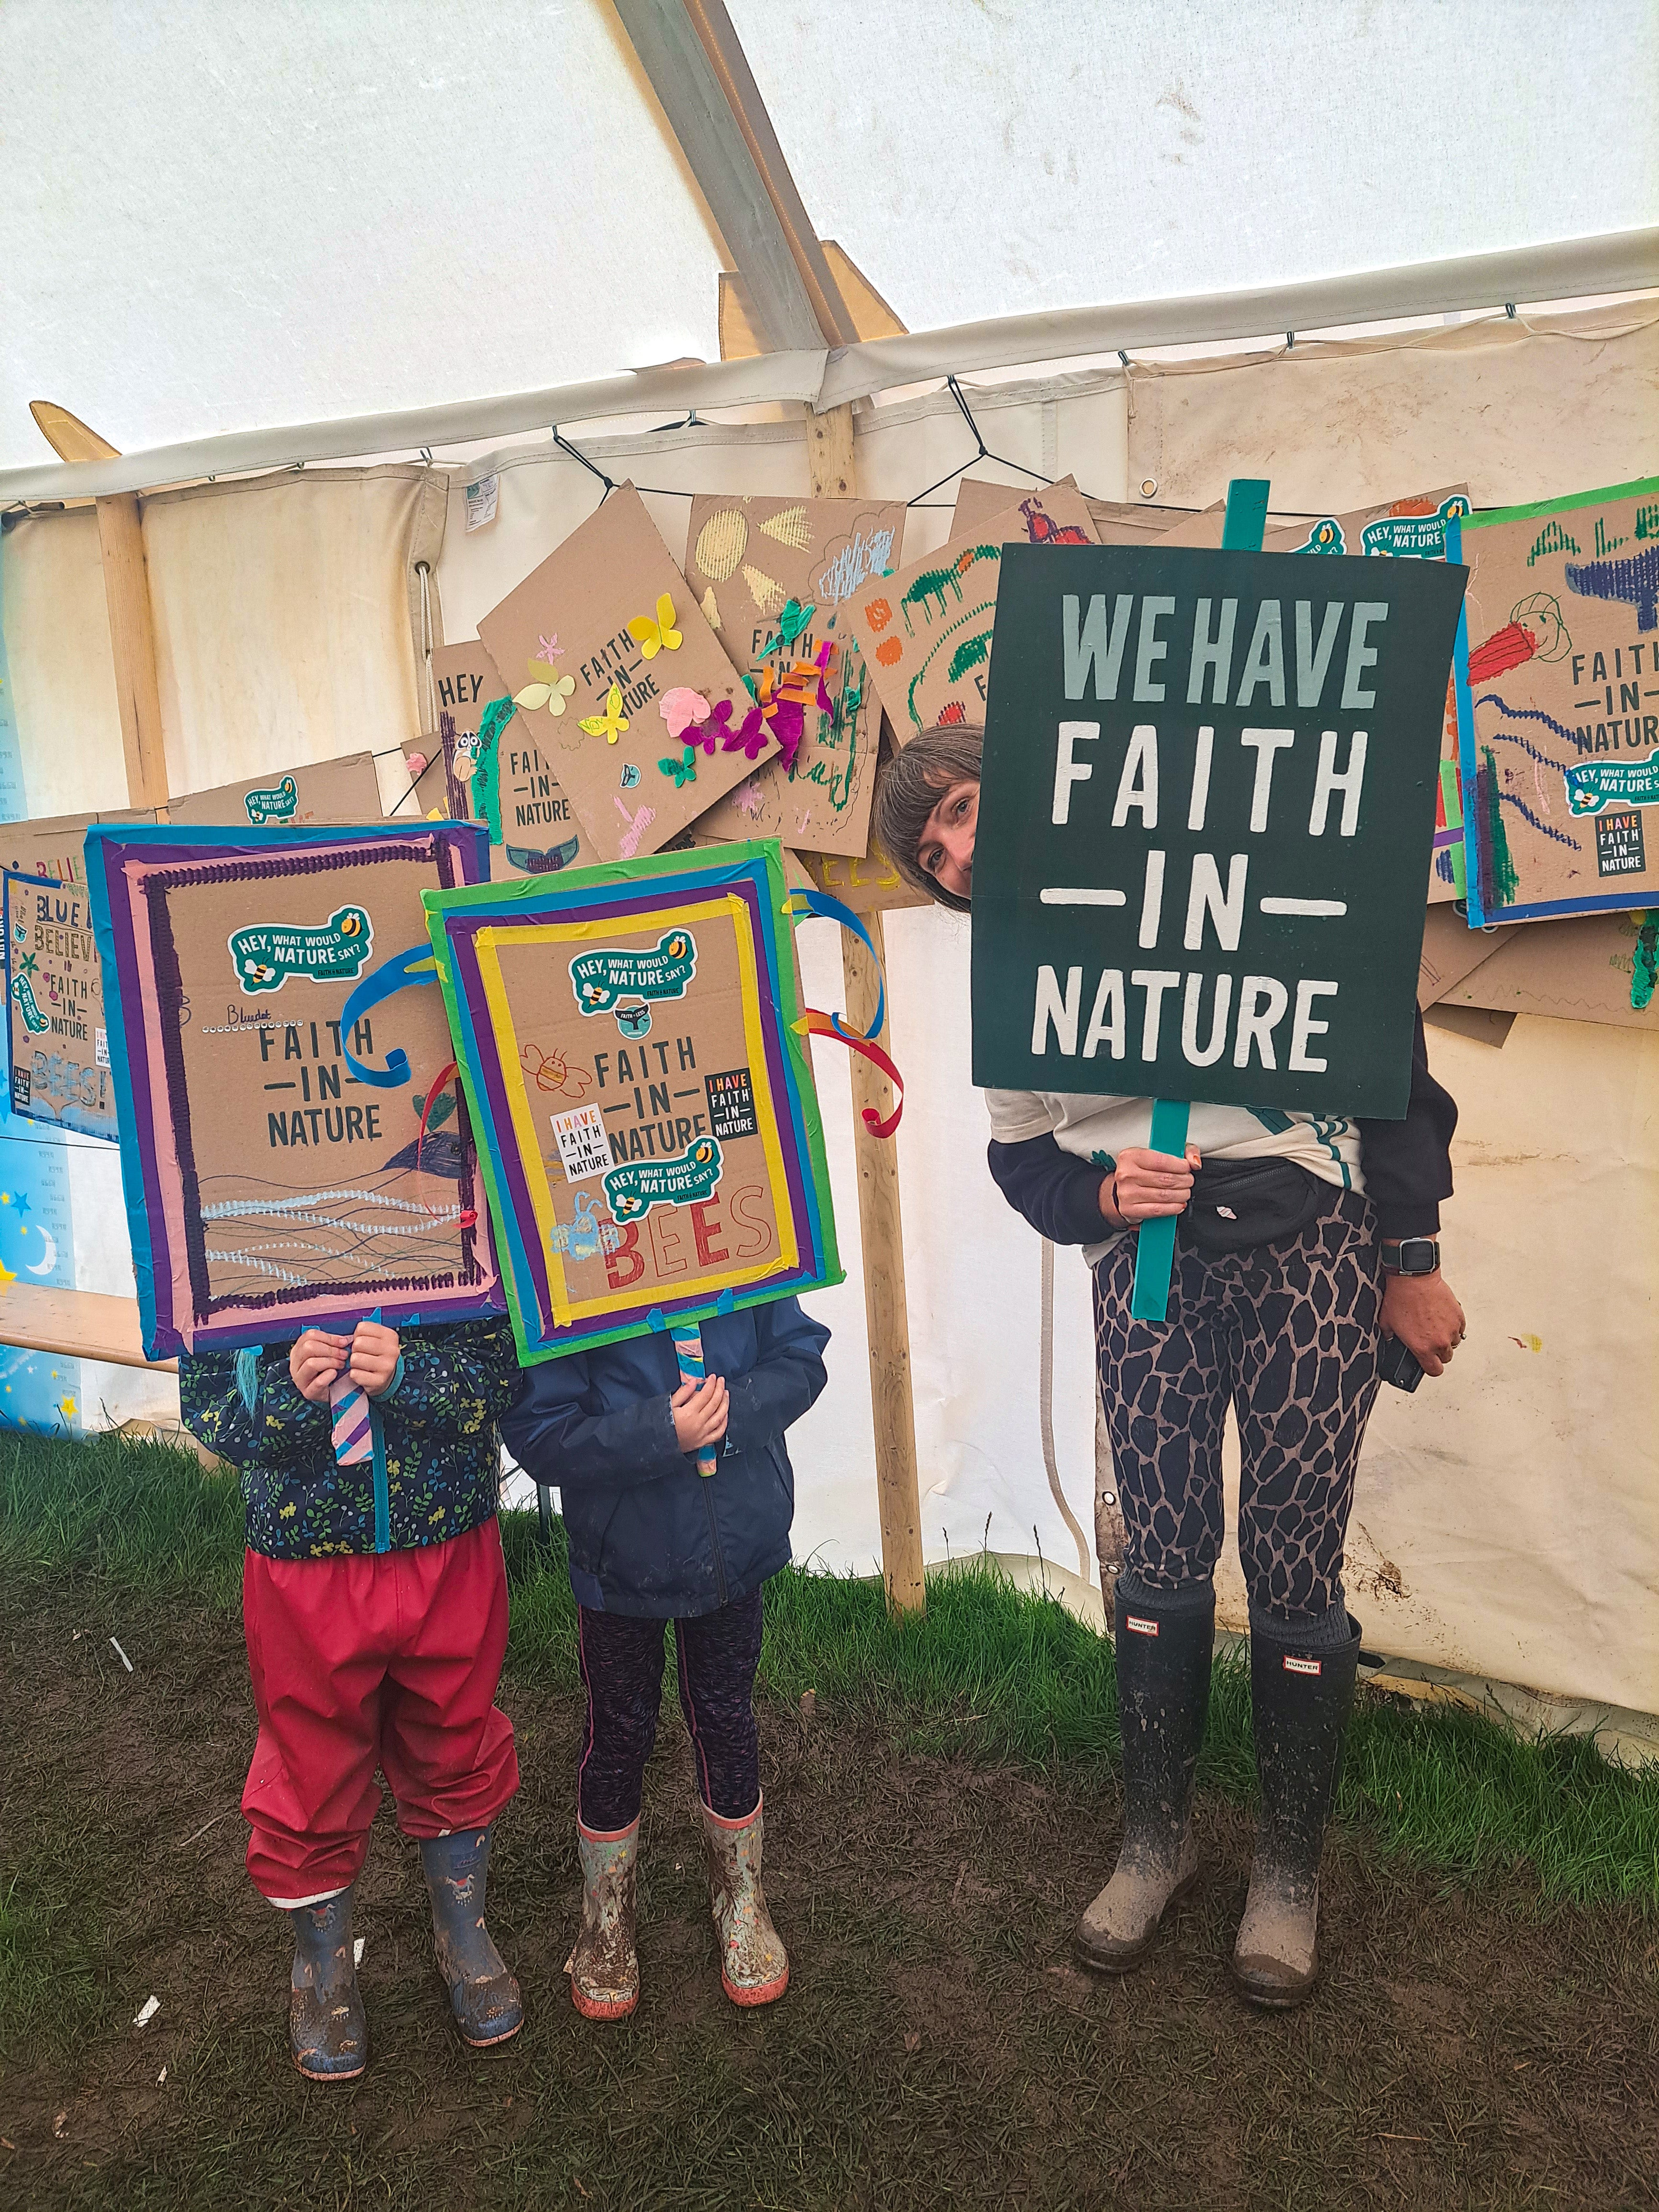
(270, 1089)
(650, 1130)
(60, 1073)
(500, 779)
(1204, 826)
(773, 576)
(1557, 689)
(333, 791)
(927, 631)
(623, 685)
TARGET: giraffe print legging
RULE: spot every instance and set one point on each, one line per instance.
(1288, 1332)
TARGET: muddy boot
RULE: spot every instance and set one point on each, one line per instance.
(754, 1964)
(1164, 1642)
(327, 2032)
(482, 1994)
(1302, 1692)
(603, 1966)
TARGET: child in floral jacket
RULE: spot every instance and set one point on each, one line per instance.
(375, 1607)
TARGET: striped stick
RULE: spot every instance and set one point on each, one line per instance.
(348, 1407)
(687, 1350)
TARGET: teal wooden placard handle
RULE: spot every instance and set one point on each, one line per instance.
(1241, 533)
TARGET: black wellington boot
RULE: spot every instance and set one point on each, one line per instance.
(1301, 1700)
(1164, 1642)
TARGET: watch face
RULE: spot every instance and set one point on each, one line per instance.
(1417, 1256)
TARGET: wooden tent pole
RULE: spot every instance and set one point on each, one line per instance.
(829, 455)
(132, 636)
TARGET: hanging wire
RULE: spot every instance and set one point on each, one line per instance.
(983, 452)
(610, 483)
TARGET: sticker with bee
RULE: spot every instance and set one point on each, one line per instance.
(335, 950)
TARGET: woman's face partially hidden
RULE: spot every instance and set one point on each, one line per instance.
(946, 846)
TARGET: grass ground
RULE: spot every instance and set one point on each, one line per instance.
(1486, 2033)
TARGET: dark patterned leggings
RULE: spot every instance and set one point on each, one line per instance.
(1289, 1332)
(622, 1672)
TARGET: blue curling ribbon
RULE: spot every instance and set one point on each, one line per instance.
(401, 973)
(831, 909)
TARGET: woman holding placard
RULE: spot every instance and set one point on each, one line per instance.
(1305, 1243)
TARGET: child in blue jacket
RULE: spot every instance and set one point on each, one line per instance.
(651, 1540)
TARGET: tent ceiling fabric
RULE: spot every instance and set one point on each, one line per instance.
(292, 211)
(993, 157)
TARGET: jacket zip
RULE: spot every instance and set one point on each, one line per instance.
(708, 1490)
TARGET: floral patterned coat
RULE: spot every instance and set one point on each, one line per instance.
(435, 1469)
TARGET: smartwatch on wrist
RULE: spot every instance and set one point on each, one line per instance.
(1411, 1255)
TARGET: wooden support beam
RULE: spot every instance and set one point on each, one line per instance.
(76, 1325)
(881, 1235)
(132, 636)
(887, 1313)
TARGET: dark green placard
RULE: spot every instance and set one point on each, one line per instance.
(1108, 665)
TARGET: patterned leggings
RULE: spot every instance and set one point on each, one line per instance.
(1288, 1331)
(622, 1672)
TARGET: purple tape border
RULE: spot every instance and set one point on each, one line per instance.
(462, 926)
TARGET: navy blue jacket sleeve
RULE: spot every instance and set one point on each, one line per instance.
(785, 1379)
(559, 1432)
(1408, 1163)
(1058, 1194)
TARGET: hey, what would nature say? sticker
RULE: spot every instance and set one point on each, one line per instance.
(1205, 823)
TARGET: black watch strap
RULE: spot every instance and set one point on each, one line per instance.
(1411, 1255)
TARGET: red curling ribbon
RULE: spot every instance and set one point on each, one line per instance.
(814, 1023)
(451, 1070)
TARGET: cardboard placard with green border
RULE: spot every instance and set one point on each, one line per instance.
(1205, 824)
(646, 1117)
(1557, 704)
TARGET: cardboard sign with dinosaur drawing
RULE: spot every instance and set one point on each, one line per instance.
(926, 632)
(616, 678)
(1557, 704)
(773, 576)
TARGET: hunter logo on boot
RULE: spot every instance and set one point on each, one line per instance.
(1303, 1666)
(1140, 1627)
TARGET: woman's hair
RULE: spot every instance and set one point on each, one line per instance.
(910, 786)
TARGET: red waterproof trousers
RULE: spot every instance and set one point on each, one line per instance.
(389, 1660)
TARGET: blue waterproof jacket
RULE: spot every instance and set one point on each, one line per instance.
(647, 1533)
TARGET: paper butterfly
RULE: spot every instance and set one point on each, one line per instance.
(658, 636)
(552, 694)
(680, 707)
(750, 736)
(794, 619)
(683, 771)
(609, 724)
(552, 1073)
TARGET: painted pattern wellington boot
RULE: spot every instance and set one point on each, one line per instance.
(327, 2032)
(1301, 1693)
(482, 1994)
(1164, 1642)
(754, 1964)
(603, 1966)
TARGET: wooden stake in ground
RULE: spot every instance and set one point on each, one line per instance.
(830, 457)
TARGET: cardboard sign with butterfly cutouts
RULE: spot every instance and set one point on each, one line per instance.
(631, 1045)
(774, 577)
(616, 678)
(925, 631)
(280, 1059)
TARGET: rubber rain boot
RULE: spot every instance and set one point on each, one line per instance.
(1301, 1700)
(327, 2031)
(482, 1994)
(754, 1964)
(1165, 1639)
(604, 1966)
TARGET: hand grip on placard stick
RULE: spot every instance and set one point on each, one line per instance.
(687, 1350)
(1241, 533)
